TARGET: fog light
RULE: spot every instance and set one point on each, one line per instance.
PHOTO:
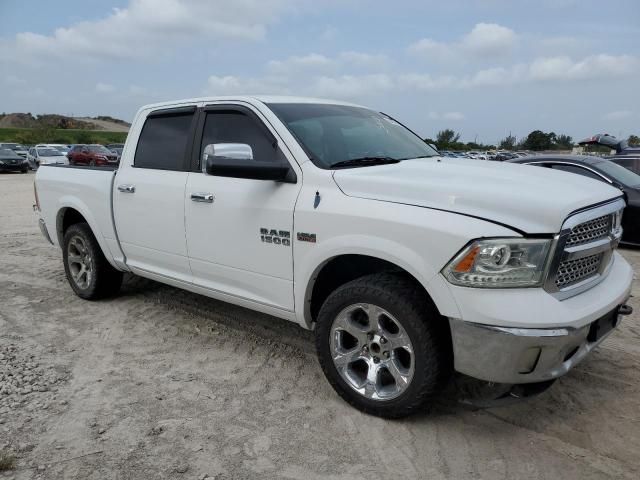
(529, 360)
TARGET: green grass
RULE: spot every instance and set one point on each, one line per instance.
(7, 461)
(31, 136)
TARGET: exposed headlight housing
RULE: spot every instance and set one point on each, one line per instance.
(616, 227)
(500, 263)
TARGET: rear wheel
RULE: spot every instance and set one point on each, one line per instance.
(383, 346)
(92, 163)
(88, 271)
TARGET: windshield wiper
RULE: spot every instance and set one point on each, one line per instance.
(364, 162)
(419, 156)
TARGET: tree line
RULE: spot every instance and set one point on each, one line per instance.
(537, 140)
(448, 139)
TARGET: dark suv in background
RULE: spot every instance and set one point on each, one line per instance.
(626, 155)
(93, 155)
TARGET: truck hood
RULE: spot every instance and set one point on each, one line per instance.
(527, 198)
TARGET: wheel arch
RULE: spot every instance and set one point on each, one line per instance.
(71, 214)
(341, 268)
(66, 217)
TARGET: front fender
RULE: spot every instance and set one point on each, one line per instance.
(411, 261)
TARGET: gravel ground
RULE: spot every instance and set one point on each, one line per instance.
(160, 383)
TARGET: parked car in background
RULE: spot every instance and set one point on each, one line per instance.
(503, 156)
(605, 171)
(58, 146)
(45, 155)
(630, 162)
(92, 155)
(116, 148)
(17, 148)
(625, 155)
(10, 161)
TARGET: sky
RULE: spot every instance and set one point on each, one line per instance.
(484, 68)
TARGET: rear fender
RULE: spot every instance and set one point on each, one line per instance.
(70, 202)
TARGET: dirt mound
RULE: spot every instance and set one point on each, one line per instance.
(27, 120)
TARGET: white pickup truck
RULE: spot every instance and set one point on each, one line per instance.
(407, 265)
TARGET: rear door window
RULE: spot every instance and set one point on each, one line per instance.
(164, 140)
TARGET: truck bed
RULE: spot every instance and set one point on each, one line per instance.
(89, 191)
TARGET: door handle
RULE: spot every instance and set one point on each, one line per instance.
(127, 188)
(202, 197)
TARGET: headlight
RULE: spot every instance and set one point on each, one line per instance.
(500, 263)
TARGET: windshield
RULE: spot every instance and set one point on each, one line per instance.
(5, 152)
(339, 133)
(99, 149)
(49, 152)
(619, 174)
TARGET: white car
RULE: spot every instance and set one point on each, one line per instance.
(45, 155)
(336, 217)
(58, 146)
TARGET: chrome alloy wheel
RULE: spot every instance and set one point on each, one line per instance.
(80, 262)
(372, 351)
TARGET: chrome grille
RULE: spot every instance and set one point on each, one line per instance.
(571, 272)
(589, 231)
(584, 249)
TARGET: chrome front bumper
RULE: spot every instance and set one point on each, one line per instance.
(525, 355)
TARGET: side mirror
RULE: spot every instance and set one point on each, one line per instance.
(236, 160)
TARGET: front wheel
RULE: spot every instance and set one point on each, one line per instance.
(88, 271)
(383, 346)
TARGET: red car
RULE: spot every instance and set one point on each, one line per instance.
(93, 155)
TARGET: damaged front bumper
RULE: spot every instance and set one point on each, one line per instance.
(526, 355)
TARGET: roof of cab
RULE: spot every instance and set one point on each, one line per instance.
(249, 99)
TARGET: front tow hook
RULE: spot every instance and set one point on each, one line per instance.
(625, 310)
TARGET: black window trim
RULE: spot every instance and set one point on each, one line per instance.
(221, 107)
(165, 112)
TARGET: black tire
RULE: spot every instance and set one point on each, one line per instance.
(428, 331)
(24, 171)
(104, 280)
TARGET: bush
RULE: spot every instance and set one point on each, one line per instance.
(7, 461)
(32, 136)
